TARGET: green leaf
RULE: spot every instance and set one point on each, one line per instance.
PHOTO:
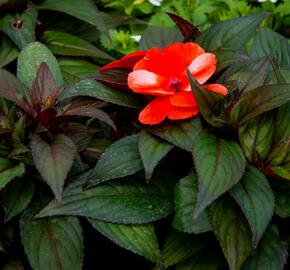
(258, 101)
(181, 134)
(254, 194)
(75, 69)
(180, 246)
(92, 88)
(185, 195)
(9, 172)
(8, 51)
(269, 42)
(271, 253)
(282, 198)
(120, 159)
(17, 196)
(126, 202)
(20, 28)
(281, 172)
(232, 232)
(209, 103)
(66, 44)
(226, 38)
(54, 243)
(53, 160)
(159, 37)
(282, 129)
(152, 150)
(30, 59)
(256, 136)
(140, 239)
(219, 164)
(82, 9)
(279, 153)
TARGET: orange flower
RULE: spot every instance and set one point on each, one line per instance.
(162, 73)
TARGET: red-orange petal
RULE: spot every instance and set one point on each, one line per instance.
(178, 113)
(146, 82)
(183, 99)
(128, 61)
(170, 61)
(217, 88)
(156, 111)
(203, 67)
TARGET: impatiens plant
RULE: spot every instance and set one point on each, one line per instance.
(179, 152)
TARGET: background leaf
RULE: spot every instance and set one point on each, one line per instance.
(219, 164)
(10, 172)
(54, 160)
(120, 159)
(126, 202)
(8, 51)
(152, 150)
(185, 196)
(140, 239)
(232, 232)
(255, 197)
(54, 243)
(30, 59)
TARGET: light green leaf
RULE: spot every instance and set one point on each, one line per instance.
(219, 164)
(271, 253)
(8, 51)
(30, 59)
(152, 150)
(185, 195)
(140, 239)
(54, 243)
(126, 202)
(17, 196)
(258, 101)
(20, 28)
(66, 44)
(269, 42)
(180, 134)
(53, 160)
(92, 88)
(256, 136)
(82, 9)
(232, 232)
(255, 197)
(120, 159)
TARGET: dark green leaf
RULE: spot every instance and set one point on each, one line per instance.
(268, 42)
(17, 196)
(209, 103)
(92, 88)
(8, 51)
(53, 160)
(180, 134)
(140, 239)
(180, 246)
(258, 101)
(66, 44)
(256, 136)
(54, 243)
(255, 197)
(232, 232)
(126, 202)
(120, 159)
(282, 129)
(20, 28)
(29, 61)
(82, 9)
(225, 38)
(219, 164)
(152, 150)
(9, 170)
(282, 198)
(185, 195)
(159, 37)
(271, 253)
(75, 69)
(279, 153)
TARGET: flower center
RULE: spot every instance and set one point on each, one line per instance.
(175, 84)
